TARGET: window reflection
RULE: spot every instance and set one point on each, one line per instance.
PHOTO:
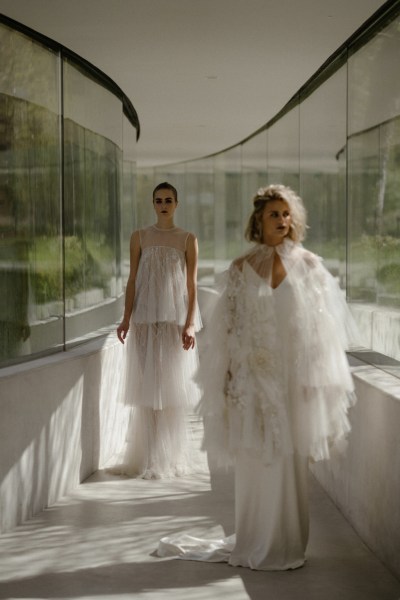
(254, 171)
(339, 147)
(323, 171)
(92, 200)
(283, 150)
(373, 190)
(33, 275)
(14, 279)
(31, 306)
(199, 196)
(229, 217)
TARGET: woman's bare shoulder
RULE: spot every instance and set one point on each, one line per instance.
(136, 235)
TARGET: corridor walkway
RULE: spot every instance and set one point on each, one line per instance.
(99, 543)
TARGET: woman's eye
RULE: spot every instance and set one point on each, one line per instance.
(168, 201)
(158, 201)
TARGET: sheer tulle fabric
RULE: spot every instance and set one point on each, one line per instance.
(159, 373)
(161, 293)
(271, 384)
(276, 390)
(157, 444)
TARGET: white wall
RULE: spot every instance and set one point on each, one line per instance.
(60, 419)
(379, 327)
(365, 482)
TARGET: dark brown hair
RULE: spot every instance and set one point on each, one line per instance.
(166, 186)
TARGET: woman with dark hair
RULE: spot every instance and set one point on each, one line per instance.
(162, 315)
(276, 386)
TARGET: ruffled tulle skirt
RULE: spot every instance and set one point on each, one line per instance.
(157, 444)
(275, 378)
(161, 393)
(159, 371)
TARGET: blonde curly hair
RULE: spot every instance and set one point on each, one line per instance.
(267, 194)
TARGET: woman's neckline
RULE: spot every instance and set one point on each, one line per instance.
(274, 246)
(164, 228)
(284, 245)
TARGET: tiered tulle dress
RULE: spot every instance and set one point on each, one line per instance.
(276, 392)
(159, 372)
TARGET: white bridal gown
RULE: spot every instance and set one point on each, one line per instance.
(276, 392)
(159, 372)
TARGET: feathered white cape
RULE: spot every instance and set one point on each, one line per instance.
(253, 396)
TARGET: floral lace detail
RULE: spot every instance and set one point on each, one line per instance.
(235, 380)
(262, 361)
(235, 297)
(278, 379)
(253, 382)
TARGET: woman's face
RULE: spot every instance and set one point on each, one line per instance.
(164, 203)
(276, 221)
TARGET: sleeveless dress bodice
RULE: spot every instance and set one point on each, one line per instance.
(161, 292)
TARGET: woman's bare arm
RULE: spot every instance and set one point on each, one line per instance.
(135, 252)
(188, 336)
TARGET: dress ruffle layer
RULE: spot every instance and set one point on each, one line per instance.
(275, 382)
(161, 294)
(159, 372)
(157, 444)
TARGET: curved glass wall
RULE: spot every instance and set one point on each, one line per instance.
(67, 188)
(337, 143)
(374, 191)
(323, 170)
(68, 180)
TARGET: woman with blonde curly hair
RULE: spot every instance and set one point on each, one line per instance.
(276, 386)
(298, 216)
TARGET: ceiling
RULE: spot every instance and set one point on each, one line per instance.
(201, 74)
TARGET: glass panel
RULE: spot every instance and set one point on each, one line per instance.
(283, 150)
(199, 185)
(254, 171)
(374, 197)
(144, 205)
(374, 234)
(323, 171)
(388, 216)
(228, 223)
(374, 84)
(93, 187)
(128, 210)
(363, 152)
(31, 306)
(27, 69)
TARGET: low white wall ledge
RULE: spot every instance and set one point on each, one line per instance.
(364, 482)
(61, 419)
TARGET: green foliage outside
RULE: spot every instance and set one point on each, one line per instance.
(85, 267)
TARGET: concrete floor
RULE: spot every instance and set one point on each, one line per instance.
(99, 542)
